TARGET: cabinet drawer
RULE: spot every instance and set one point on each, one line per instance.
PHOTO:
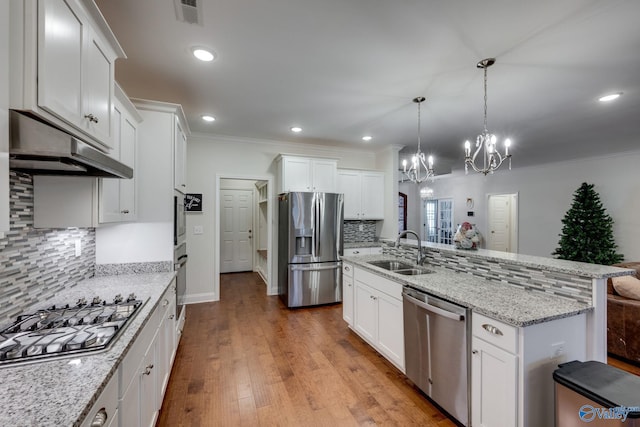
(389, 287)
(495, 332)
(347, 269)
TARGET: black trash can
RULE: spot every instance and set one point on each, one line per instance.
(595, 394)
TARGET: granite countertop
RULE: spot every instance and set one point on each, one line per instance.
(352, 245)
(57, 393)
(500, 301)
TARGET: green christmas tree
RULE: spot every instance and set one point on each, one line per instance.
(587, 233)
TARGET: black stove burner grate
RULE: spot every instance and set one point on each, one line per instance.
(63, 331)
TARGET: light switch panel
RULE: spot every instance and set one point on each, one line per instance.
(198, 229)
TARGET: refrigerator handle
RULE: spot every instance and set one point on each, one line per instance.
(318, 232)
(314, 267)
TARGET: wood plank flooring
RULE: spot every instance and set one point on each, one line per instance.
(247, 360)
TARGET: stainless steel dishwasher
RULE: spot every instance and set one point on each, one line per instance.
(436, 343)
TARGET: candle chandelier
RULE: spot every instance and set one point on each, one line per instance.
(491, 157)
(421, 167)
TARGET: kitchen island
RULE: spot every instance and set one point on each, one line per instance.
(62, 392)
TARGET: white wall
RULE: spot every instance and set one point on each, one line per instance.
(546, 193)
(208, 157)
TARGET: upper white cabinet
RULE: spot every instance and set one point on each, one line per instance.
(4, 117)
(363, 194)
(307, 174)
(161, 166)
(62, 66)
(118, 196)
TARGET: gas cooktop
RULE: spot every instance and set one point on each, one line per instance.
(68, 330)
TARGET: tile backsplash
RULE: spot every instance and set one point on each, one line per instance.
(353, 234)
(36, 263)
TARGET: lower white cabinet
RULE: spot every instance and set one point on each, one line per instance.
(512, 368)
(377, 314)
(363, 251)
(144, 372)
(347, 293)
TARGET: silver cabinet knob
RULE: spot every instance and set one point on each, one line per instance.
(165, 303)
(91, 118)
(492, 329)
(100, 419)
(147, 370)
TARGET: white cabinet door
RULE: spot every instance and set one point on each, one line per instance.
(323, 175)
(365, 312)
(129, 406)
(372, 192)
(347, 299)
(390, 328)
(128, 142)
(97, 89)
(180, 157)
(60, 56)
(494, 385)
(148, 387)
(349, 184)
(296, 174)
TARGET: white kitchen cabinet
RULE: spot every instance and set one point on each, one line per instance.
(377, 316)
(511, 368)
(307, 174)
(161, 162)
(65, 77)
(363, 251)
(118, 196)
(105, 409)
(347, 293)
(145, 370)
(363, 194)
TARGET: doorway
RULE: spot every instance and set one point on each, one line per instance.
(502, 222)
(247, 214)
(437, 224)
(236, 223)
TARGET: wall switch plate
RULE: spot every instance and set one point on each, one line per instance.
(198, 229)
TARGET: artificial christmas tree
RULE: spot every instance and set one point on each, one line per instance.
(587, 233)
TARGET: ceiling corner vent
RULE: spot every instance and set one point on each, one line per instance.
(189, 11)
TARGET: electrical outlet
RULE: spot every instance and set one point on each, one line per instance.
(198, 229)
(78, 245)
(557, 350)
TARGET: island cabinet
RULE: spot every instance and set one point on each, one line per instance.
(307, 174)
(511, 368)
(377, 314)
(144, 372)
(65, 77)
(363, 194)
(118, 196)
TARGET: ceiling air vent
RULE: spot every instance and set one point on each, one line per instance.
(189, 11)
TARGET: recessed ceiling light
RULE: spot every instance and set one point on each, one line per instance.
(208, 118)
(367, 138)
(203, 54)
(610, 97)
(296, 129)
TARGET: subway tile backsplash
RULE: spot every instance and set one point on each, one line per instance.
(36, 263)
(353, 234)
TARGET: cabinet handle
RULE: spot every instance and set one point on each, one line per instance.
(147, 370)
(165, 303)
(347, 268)
(349, 284)
(356, 252)
(126, 211)
(171, 316)
(492, 329)
(91, 118)
(474, 352)
(100, 419)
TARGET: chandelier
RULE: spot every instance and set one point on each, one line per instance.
(421, 167)
(491, 157)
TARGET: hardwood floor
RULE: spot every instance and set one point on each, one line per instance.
(247, 360)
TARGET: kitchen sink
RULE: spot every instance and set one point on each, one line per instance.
(400, 267)
(412, 271)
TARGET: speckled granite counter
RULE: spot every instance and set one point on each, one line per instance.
(56, 393)
(352, 245)
(509, 304)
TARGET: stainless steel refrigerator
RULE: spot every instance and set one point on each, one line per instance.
(309, 248)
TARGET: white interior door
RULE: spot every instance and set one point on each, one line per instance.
(502, 222)
(236, 219)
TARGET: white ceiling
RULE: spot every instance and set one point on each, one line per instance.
(342, 69)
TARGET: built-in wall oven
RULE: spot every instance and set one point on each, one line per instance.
(179, 220)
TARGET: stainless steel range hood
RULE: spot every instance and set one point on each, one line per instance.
(39, 148)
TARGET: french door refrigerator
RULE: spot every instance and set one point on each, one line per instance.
(309, 248)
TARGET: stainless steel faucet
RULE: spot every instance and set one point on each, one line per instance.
(420, 257)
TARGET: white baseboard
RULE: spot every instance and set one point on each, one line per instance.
(202, 297)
